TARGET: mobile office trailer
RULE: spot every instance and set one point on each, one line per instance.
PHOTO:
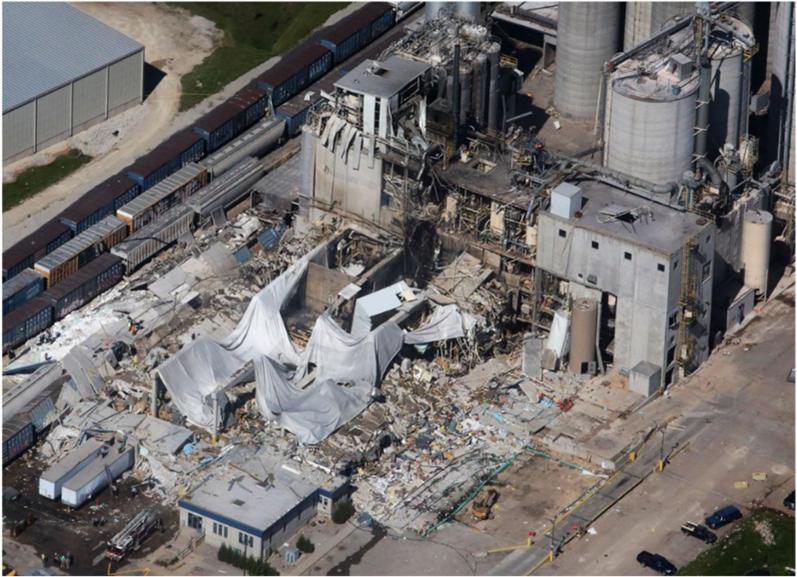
(94, 478)
(53, 479)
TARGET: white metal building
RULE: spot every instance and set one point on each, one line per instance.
(63, 71)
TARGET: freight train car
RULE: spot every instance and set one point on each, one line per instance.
(100, 201)
(81, 250)
(93, 279)
(295, 71)
(255, 142)
(161, 197)
(180, 149)
(358, 29)
(158, 235)
(35, 246)
(228, 120)
(26, 285)
(26, 322)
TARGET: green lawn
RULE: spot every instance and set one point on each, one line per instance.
(37, 178)
(763, 540)
(253, 33)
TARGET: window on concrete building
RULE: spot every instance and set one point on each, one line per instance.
(706, 271)
(628, 256)
(670, 355)
(195, 521)
(675, 265)
(562, 233)
(661, 268)
(708, 239)
(225, 532)
(673, 319)
(595, 244)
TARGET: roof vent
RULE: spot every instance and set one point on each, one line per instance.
(680, 66)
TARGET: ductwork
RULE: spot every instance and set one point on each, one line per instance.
(713, 173)
(669, 188)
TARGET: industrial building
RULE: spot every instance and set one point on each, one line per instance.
(63, 72)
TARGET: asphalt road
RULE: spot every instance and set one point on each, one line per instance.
(747, 412)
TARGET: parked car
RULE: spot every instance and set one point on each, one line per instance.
(722, 517)
(656, 562)
(698, 532)
(788, 502)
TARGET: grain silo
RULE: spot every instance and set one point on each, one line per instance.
(588, 34)
(650, 122)
(583, 332)
(730, 86)
(746, 10)
(644, 19)
(756, 242)
(781, 48)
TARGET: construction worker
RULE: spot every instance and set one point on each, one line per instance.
(44, 560)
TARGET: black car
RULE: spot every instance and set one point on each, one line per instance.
(788, 502)
(656, 562)
(698, 532)
(723, 517)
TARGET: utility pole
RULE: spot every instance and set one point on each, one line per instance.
(661, 451)
(553, 539)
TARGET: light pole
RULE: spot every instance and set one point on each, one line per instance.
(661, 451)
(553, 539)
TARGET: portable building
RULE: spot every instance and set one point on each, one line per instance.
(100, 201)
(27, 321)
(35, 246)
(177, 151)
(94, 477)
(93, 279)
(53, 479)
(160, 198)
(20, 289)
(154, 237)
(81, 250)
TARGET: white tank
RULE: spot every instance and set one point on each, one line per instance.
(644, 19)
(583, 331)
(756, 243)
(650, 122)
(588, 34)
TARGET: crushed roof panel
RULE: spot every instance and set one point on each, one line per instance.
(48, 44)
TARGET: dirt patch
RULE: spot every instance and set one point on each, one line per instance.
(85, 541)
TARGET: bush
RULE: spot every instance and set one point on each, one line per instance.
(342, 512)
(252, 565)
(224, 554)
(304, 545)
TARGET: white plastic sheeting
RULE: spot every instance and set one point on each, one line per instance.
(446, 322)
(348, 367)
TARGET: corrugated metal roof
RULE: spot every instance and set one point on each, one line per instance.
(48, 44)
(86, 239)
(160, 191)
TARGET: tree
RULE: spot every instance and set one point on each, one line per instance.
(224, 553)
(304, 545)
(343, 512)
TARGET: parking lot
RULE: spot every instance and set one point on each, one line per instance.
(748, 407)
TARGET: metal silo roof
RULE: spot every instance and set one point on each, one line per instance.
(49, 44)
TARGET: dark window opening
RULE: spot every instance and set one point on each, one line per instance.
(661, 268)
(628, 256)
(595, 244)
(562, 233)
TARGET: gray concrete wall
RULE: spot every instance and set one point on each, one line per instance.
(323, 285)
(646, 296)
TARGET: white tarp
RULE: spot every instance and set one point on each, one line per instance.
(446, 322)
(348, 367)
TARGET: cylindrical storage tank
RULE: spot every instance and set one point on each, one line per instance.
(588, 34)
(746, 10)
(480, 88)
(471, 10)
(756, 243)
(651, 125)
(779, 46)
(730, 88)
(644, 19)
(583, 332)
(494, 104)
(465, 80)
(433, 8)
(308, 173)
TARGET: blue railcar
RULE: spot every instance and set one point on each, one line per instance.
(358, 29)
(179, 150)
(26, 322)
(100, 201)
(95, 278)
(26, 285)
(35, 246)
(295, 71)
